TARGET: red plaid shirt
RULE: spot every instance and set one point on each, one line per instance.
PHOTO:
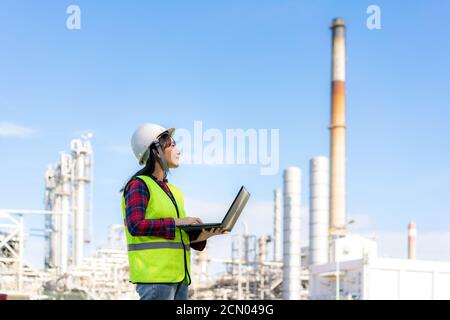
(136, 200)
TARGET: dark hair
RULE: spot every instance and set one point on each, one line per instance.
(165, 141)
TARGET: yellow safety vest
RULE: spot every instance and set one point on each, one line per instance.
(155, 259)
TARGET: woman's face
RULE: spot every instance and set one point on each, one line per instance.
(172, 155)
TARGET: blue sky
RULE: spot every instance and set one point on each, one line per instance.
(232, 64)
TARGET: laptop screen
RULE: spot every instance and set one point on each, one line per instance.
(236, 208)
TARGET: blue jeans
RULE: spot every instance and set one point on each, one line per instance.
(163, 291)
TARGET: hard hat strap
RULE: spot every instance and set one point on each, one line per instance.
(161, 159)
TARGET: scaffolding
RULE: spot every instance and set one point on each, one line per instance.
(249, 274)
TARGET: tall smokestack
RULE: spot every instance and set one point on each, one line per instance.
(319, 201)
(278, 241)
(338, 132)
(291, 234)
(412, 235)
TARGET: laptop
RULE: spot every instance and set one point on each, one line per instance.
(230, 218)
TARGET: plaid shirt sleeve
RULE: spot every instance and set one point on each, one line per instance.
(136, 200)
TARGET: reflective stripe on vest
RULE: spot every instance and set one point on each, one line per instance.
(157, 245)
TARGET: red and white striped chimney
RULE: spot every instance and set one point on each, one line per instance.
(412, 236)
(338, 204)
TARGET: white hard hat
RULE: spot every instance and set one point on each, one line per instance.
(144, 136)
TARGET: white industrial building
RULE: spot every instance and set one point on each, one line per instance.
(356, 272)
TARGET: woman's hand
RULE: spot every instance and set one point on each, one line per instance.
(205, 234)
(187, 220)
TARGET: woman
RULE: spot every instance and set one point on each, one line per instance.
(158, 251)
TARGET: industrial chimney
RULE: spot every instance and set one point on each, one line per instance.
(412, 235)
(291, 234)
(338, 132)
(319, 201)
(277, 225)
